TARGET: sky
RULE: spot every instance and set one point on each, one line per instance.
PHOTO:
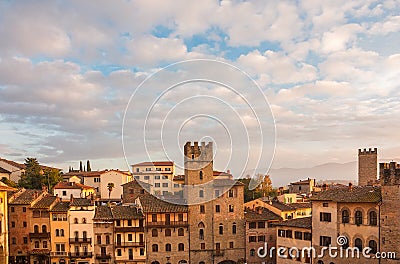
(326, 76)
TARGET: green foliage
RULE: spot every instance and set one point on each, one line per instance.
(32, 178)
(9, 182)
(51, 177)
(88, 168)
(110, 187)
(264, 190)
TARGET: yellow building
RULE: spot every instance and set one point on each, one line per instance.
(59, 233)
(286, 211)
(4, 222)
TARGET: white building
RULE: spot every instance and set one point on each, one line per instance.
(117, 178)
(65, 190)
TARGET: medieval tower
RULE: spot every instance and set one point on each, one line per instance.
(215, 202)
(367, 166)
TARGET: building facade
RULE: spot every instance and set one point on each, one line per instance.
(367, 166)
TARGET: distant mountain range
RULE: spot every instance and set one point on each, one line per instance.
(334, 172)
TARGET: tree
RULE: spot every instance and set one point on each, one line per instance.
(10, 183)
(32, 178)
(110, 187)
(265, 185)
(80, 166)
(88, 168)
(51, 177)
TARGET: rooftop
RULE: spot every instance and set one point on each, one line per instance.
(84, 173)
(60, 207)
(81, 202)
(126, 212)
(259, 214)
(72, 185)
(152, 204)
(304, 222)
(45, 202)
(103, 213)
(25, 196)
(354, 194)
(155, 163)
(22, 166)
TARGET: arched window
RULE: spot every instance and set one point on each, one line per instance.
(201, 225)
(107, 239)
(346, 244)
(373, 219)
(181, 232)
(154, 233)
(167, 232)
(181, 247)
(252, 252)
(201, 234)
(358, 218)
(44, 229)
(345, 216)
(84, 234)
(358, 244)
(221, 229)
(36, 229)
(373, 245)
(44, 244)
(320, 262)
(37, 245)
(62, 232)
(83, 220)
(75, 220)
(202, 262)
(167, 247)
(234, 228)
(201, 175)
(76, 234)
(57, 232)
(154, 248)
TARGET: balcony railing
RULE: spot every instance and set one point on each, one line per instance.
(39, 235)
(58, 254)
(218, 252)
(129, 244)
(167, 223)
(129, 229)
(80, 240)
(103, 256)
(81, 254)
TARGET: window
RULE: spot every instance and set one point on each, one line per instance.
(358, 218)
(12, 224)
(167, 232)
(181, 247)
(358, 244)
(24, 224)
(230, 193)
(231, 244)
(158, 169)
(154, 233)
(252, 225)
(24, 209)
(298, 235)
(36, 229)
(118, 223)
(14, 241)
(231, 208)
(154, 218)
(83, 220)
(203, 246)
(217, 208)
(75, 220)
(129, 222)
(345, 216)
(325, 217)
(58, 233)
(324, 241)
(12, 209)
(148, 169)
(137, 177)
(165, 184)
(64, 193)
(130, 237)
(252, 239)
(168, 247)
(119, 252)
(373, 220)
(201, 193)
(201, 175)
(107, 239)
(261, 224)
(44, 244)
(25, 240)
(234, 228)
(373, 245)
(154, 248)
(37, 245)
(261, 239)
(157, 184)
(176, 185)
(307, 236)
(252, 252)
(289, 233)
(325, 204)
(201, 234)
(181, 232)
(137, 170)
(202, 209)
(146, 177)
(157, 177)
(221, 229)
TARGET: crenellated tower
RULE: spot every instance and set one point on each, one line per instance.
(367, 166)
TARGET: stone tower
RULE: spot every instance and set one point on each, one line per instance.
(367, 166)
(390, 213)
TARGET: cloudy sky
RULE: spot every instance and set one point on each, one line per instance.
(330, 71)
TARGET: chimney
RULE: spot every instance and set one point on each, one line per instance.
(350, 186)
(228, 171)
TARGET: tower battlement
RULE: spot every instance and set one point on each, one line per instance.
(203, 152)
(389, 173)
(367, 151)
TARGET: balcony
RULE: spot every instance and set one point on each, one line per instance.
(218, 253)
(59, 254)
(80, 240)
(81, 254)
(129, 229)
(129, 244)
(103, 256)
(39, 235)
(168, 224)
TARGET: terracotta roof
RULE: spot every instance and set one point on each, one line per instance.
(260, 214)
(152, 204)
(226, 182)
(126, 212)
(81, 202)
(304, 222)
(282, 206)
(26, 197)
(2, 170)
(84, 173)
(356, 194)
(45, 202)
(5, 187)
(155, 163)
(300, 205)
(103, 213)
(72, 185)
(60, 207)
(179, 177)
(301, 182)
